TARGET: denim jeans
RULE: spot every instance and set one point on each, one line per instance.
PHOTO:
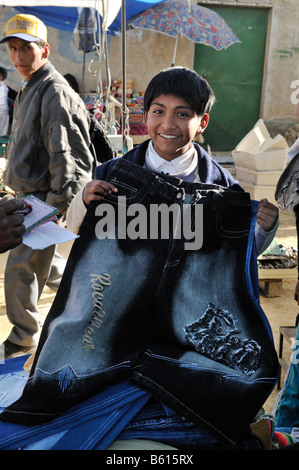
(157, 422)
(123, 411)
(185, 324)
(92, 424)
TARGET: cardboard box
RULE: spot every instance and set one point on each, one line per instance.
(272, 161)
(254, 139)
(263, 178)
(258, 151)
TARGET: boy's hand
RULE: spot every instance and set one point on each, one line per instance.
(95, 190)
(267, 215)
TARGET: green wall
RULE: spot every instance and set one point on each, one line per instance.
(235, 74)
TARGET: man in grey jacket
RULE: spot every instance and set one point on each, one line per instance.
(48, 156)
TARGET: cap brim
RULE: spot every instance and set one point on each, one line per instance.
(26, 37)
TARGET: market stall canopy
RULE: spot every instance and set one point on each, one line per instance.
(65, 17)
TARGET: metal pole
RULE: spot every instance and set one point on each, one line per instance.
(84, 49)
(123, 109)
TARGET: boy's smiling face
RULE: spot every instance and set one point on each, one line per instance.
(172, 125)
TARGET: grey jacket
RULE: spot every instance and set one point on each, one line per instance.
(48, 150)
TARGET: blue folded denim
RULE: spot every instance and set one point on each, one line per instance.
(92, 424)
(121, 412)
(157, 422)
(13, 379)
(184, 324)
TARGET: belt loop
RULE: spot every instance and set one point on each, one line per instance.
(180, 194)
(154, 186)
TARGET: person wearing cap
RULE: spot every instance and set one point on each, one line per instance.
(47, 155)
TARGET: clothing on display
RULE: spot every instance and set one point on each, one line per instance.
(123, 416)
(177, 314)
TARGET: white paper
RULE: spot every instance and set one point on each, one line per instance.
(46, 235)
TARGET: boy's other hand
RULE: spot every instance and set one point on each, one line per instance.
(267, 215)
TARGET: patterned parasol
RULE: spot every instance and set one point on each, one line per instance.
(197, 23)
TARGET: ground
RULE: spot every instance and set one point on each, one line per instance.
(280, 310)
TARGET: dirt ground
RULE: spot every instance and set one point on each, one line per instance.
(280, 310)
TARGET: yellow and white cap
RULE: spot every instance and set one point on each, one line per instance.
(27, 27)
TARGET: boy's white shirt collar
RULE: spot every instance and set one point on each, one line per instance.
(180, 167)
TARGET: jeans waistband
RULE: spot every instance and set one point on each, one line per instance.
(175, 188)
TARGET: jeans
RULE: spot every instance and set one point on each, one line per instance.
(157, 422)
(123, 411)
(185, 324)
(92, 424)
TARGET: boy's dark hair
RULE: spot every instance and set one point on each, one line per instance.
(182, 82)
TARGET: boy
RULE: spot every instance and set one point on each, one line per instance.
(106, 326)
(177, 103)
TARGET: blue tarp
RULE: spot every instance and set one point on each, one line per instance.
(65, 18)
(56, 17)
